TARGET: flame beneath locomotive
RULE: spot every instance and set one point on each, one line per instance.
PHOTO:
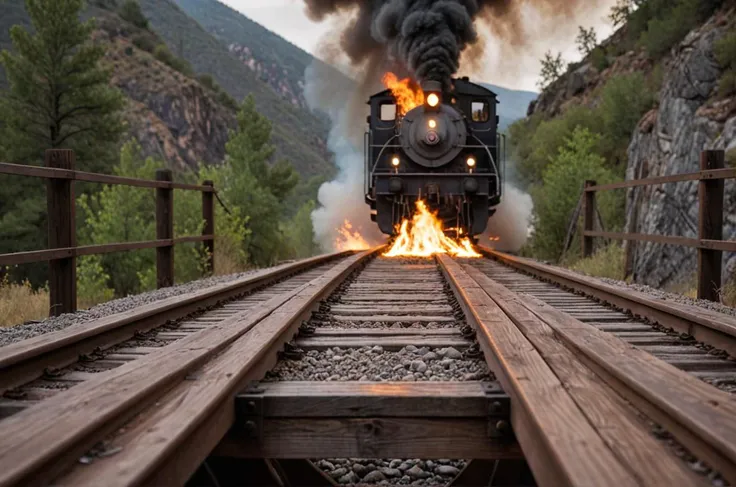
(349, 238)
(424, 236)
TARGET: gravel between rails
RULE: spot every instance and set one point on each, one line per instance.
(384, 471)
(24, 331)
(375, 364)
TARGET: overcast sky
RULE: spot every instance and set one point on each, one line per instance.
(287, 18)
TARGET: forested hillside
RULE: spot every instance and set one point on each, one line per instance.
(642, 103)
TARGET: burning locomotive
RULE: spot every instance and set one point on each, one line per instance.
(440, 146)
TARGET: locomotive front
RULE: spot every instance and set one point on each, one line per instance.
(438, 146)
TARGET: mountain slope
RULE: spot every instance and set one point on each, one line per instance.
(298, 134)
(513, 104)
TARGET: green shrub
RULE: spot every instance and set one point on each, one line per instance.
(131, 12)
(227, 101)
(727, 84)
(92, 282)
(144, 42)
(606, 262)
(163, 54)
(725, 51)
(208, 82)
(624, 100)
(731, 157)
(599, 59)
(556, 199)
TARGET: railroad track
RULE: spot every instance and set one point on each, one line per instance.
(365, 357)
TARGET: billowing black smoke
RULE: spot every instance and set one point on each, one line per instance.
(422, 38)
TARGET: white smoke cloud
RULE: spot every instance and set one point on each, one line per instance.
(511, 222)
(343, 198)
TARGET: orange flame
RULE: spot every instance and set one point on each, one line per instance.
(426, 238)
(406, 96)
(349, 238)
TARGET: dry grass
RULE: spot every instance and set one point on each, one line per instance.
(607, 262)
(728, 293)
(20, 303)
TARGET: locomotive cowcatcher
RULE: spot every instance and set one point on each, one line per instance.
(446, 151)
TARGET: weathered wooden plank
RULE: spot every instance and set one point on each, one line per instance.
(369, 438)
(200, 408)
(630, 439)
(39, 440)
(558, 440)
(351, 399)
(702, 417)
(410, 298)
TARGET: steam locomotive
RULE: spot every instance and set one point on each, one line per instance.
(446, 151)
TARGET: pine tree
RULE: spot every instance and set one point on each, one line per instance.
(59, 95)
(257, 188)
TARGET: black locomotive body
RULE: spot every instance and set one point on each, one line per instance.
(447, 152)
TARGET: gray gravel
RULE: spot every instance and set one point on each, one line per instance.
(382, 324)
(677, 298)
(375, 364)
(362, 471)
(28, 330)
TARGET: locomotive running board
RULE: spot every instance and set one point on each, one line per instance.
(371, 420)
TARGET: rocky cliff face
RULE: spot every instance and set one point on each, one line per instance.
(172, 116)
(669, 140)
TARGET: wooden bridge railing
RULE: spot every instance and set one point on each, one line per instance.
(710, 243)
(63, 250)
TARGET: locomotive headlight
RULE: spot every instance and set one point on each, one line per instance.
(433, 99)
(396, 161)
(432, 123)
(471, 161)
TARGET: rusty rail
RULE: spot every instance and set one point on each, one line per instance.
(710, 243)
(63, 249)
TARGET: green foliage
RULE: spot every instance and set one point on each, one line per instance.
(727, 84)
(556, 199)
(731, 157)
(664, 32)
(534, 142)
(551, 69)
(586, 40)
(299, 233)
(123, 214)
(59, 95)
(599, 59)
(144, 42)
(163, 54)
(92, 282)
(606, 262)
(254, 186)
(131, 12)
(221, 96)
(624, 100)
(725, 51)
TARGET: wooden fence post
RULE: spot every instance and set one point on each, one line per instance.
(164, 230)
(588, 217)
(710, 226)
(62, 234)
(208, 215)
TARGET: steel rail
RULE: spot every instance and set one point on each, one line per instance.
(42, 441)
(710, 327)
(23, 361)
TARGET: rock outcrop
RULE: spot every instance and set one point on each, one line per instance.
(669, 140)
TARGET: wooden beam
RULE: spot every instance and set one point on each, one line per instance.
(352, 399)
(61, 234)
(164, 231)
(208, 215)
(588, 219)
(368, 438)
(710, 227)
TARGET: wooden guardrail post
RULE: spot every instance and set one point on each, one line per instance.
(588, 218)
(62, 234)
(208, 215)
(710, 226)
(164, 230)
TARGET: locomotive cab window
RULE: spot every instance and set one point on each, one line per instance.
(388, 112)
(480, 111)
